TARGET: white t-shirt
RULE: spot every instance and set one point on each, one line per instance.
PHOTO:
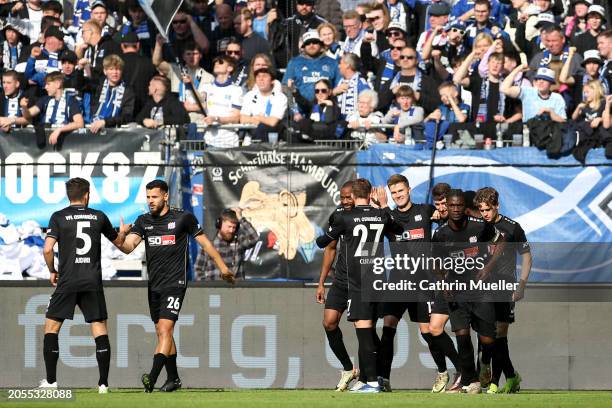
(220, 100)
(273, 105)
(34, 18)
(199, 77)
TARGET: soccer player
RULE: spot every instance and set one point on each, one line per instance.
(487, 200)
(438, 193)
(337, 297)
(78, 280)
(166, 233)
(416, 220)
(362, 230)
(461, 237)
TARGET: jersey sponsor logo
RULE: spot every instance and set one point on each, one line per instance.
(148, 227)
(473, 239)
(418, 233)
(418, 218)
(470, 252)
(161, 240)
(171, 225)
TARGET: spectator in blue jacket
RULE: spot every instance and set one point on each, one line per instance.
(306, 69)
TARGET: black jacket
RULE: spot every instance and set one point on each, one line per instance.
(173, 110)
(126, 113)
(137, 72)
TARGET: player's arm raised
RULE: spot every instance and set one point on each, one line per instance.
(328, 259)
(211, 251)
(49, 259)
(124, 230)
(130, 243)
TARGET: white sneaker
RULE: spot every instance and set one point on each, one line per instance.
(440, 383)
(345, 379)
(473, 388)
(44, 384)
(357, 386)
(102, 389)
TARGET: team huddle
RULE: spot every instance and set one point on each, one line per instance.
(465, 229)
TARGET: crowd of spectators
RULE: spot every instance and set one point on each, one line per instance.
(382, 71)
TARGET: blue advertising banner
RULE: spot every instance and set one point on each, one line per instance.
(118, 163)
(564, 208)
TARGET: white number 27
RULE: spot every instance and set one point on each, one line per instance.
(362, 231)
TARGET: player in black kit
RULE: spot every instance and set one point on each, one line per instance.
(487, 200)
(336, 301)
(463, 237)
(416, 220)
(166, 233)
(78, 281)
(362, 229)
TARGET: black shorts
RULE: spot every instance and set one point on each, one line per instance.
(337, 298)
(479, 315)
(419, 312)
(440, 304)
(92, 305)
(166, 303)
(358, 310)
(504, 312)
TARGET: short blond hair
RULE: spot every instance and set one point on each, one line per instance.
(113, 61)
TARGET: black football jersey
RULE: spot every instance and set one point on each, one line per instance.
(166, 242)
(340, 274)
(516, 242)
(363, 230)
(416, 223)
(469, 242)
(77, 230)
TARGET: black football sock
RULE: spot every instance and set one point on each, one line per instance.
(336, 343)
(466, 359)
(171, 369)
(499, 360)
(487, 352)
(367, 353)
(51, 354)
(507, 366)
(444, 343)
(436, 353)
(103, 355)
(385, 352)
(159, 360)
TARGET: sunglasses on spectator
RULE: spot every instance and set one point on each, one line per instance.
(397, 48)
(321, 90)
(373, 18)
(407, 57)
(232, 52)
(394, 34)
(176, 22)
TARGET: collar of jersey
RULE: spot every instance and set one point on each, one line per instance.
(226, 83)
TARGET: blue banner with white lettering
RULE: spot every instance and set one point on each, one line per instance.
(117, 162)
(565, 208)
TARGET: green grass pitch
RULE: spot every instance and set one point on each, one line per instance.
(319, 398)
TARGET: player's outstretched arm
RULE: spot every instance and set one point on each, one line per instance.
(48, 255)
(208, 247)
(328, 259)
(130, 243)
(124, 230)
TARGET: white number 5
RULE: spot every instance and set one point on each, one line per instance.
(83, 236)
